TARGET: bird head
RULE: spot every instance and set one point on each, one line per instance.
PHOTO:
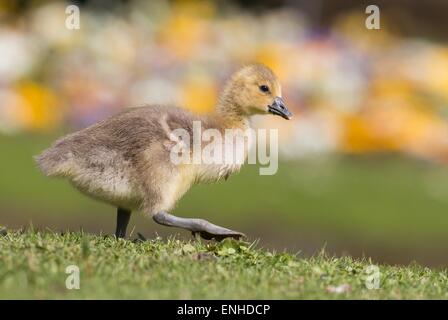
(255, 89)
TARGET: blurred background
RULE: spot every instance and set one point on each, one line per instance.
(363, 167)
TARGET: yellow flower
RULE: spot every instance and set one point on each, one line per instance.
(40, 109)
(187, 29)
(199, 93)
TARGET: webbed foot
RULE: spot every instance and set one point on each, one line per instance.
(202, 227)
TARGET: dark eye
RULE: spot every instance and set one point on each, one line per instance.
(264, 88)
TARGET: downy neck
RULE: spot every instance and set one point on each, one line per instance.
(229, 112)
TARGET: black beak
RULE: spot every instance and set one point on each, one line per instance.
(278, 108)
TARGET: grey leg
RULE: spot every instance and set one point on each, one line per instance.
(123, 217)
(202, 227)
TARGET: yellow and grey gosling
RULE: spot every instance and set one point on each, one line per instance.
(125, 160)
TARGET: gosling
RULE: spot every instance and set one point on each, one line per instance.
(125, 160)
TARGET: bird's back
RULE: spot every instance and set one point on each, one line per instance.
(123, 135)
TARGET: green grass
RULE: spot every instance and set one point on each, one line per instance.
(32, 265)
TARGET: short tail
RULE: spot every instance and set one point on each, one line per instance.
(52, 162)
